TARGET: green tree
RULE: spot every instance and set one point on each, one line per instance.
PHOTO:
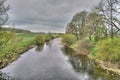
(86, 24)
(80, 20)
(76, 26)
(72, 29)
(95, 26)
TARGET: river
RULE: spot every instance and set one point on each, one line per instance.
(54, 62)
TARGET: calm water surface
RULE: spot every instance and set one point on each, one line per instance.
(53, 62)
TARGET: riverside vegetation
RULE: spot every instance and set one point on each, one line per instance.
(97, 34)
(13, 44)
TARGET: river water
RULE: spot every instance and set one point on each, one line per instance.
(53, 62)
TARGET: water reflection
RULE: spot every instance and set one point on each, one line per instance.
(5, 76)
(48, 64)
(68, 51)
(53, 62)
(39, 48)
(84, 66)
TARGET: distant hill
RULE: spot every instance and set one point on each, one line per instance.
(16, 30)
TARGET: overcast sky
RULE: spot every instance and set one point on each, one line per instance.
(45, 15)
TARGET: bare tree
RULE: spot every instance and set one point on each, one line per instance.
(3, 12)
(110, 11)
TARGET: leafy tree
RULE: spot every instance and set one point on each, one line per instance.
(80, 20)
(72, 29)
(76, 26)
(95, 26)
(86, 24)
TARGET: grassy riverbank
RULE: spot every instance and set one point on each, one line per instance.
(20, 43)
(105, 52)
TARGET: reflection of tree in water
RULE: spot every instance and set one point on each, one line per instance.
(4, 76)
(83, 64)
(67, 51)
(49, 43)
(0, 75)
(39, 48)
(80, 63)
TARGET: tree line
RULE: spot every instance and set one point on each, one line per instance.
(101, 22)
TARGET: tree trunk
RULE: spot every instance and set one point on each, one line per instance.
(111, 18)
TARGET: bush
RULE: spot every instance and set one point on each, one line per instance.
(5, 37)
(108, 50)
(68, 39)
(48, 37)
(83, 46)
(40, 39)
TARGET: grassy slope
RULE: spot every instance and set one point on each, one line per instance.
(27, 40)
(21, 44)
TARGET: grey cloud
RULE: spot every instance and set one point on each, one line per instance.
(46, 14)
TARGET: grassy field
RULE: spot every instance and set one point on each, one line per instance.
(27, 40)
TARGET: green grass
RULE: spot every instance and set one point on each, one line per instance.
(20, 40)
(26, 41)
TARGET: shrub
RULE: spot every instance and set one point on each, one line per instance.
(48, 37)
(83, 46)
(108, 50)
(40, 39)
(68, 39)
(5, 37)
